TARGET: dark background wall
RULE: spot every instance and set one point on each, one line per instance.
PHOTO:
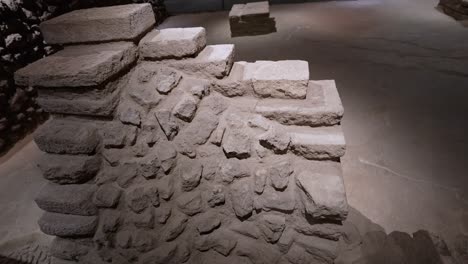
(21, 43)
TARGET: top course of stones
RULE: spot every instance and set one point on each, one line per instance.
(126, 22)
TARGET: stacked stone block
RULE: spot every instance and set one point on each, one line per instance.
(251, 19)
(182, 155)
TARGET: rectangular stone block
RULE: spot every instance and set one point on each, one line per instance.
(61, 136)
(63, 225)
(78, 66)
(69, 169)
(317, 143)
(101, 24)
(67, 199)
(255, 9)
(322, 190)
(214, 61)
(279, 79)
(322, 107)
(173, 43)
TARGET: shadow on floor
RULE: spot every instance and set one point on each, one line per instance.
(6, 260)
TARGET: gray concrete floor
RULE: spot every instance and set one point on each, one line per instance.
(402, 71)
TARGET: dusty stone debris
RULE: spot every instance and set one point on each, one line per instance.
(156, 161)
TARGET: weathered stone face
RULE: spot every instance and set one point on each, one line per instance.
(186, 170)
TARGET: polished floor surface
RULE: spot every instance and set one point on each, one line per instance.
(402, 72)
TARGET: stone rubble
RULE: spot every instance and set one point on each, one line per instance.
(182, 168)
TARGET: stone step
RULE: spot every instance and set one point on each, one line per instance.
(67, 199)
(69, 169)
(64, 136)
(63, 225)
(278, 79)
(124, 22)
(322, 107)
(317, 143)
(322, 190)
(78, 66)
(173, 43)
(213, 61)
(249, 10)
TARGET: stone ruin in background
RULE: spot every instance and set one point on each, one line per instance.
(169, 152)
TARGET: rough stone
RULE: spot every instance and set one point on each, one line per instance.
(173, 43)
(108, 196)
(142, 241)
(275, 139)
(190, 203)
(163, 213)
(286, 240)
(272, 200)
(117, 135)
(236, 141)
(123, 239)
(232, 169)
(124, 22)
(67, 137)
(257, 253)
(144, 219)
(67, 199)
(324, 230)
(272, 227)
(322, 190)
(166, 155)
(130, 116)
(161, 255)
(260, 180)
(216, 196)
(167, 122)
(166, 79)
(221, 241)
(279, 172)
(187, 106)
(69, 169)
(208, 222)
(166, 188)
(67, 225)
(323, 250)
(137, 199)
(190, 174)
(241, 196)
(246, 228)
(110, 221)
(78, 66)
(126, 174)
(175, 227)
(145, 96)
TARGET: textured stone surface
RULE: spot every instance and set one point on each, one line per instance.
(67, 137)
(107, 195)
(126, 22)
(318, 143)
(69, 169)
(68, 225)
(242, 198)
(67, 199)
(70, 249)
(173, 43)
(78, 66)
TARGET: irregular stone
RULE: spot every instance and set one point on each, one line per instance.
(260, 180)
(286, 240)
(166, 188)
(272, 200)
(116, 135)
(144, 219)
(216, 104)
(318, 143)
(67, 137)
(199, 131)
(130, 116)
(124, 22)
(218, 135)
(210, 168)
(321, 108)
(70, 249)
(190, 174)
(126, 172)
(183, 252)
(167, 123)
(241, 196)
(298, 255)
(108, 196)
(68, 225)
(185, 109)
(279, 172)
(161, 255)
(123, 239)
(173, 43)
(142, 240)
(78, 66)
(137, 199)
(200, 90)
(110, 221)
(166, 155)
(175, 227)
(145, 96)
(232, 169)
(220, 241)
(257, 253)
(279, 79)
(260, 122)
(321, 249)
(236, 143)
(323, 193)
(245, 228)
(323, 230)
(153, 194)
(216, 196)
(190, 203)
(208, 222)
(150, 166)
(213, 61)
(114, 157)
(272, 227)
(67, 199)
(69, 169)
(163, 213)
(275, 139)
(166, 79)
